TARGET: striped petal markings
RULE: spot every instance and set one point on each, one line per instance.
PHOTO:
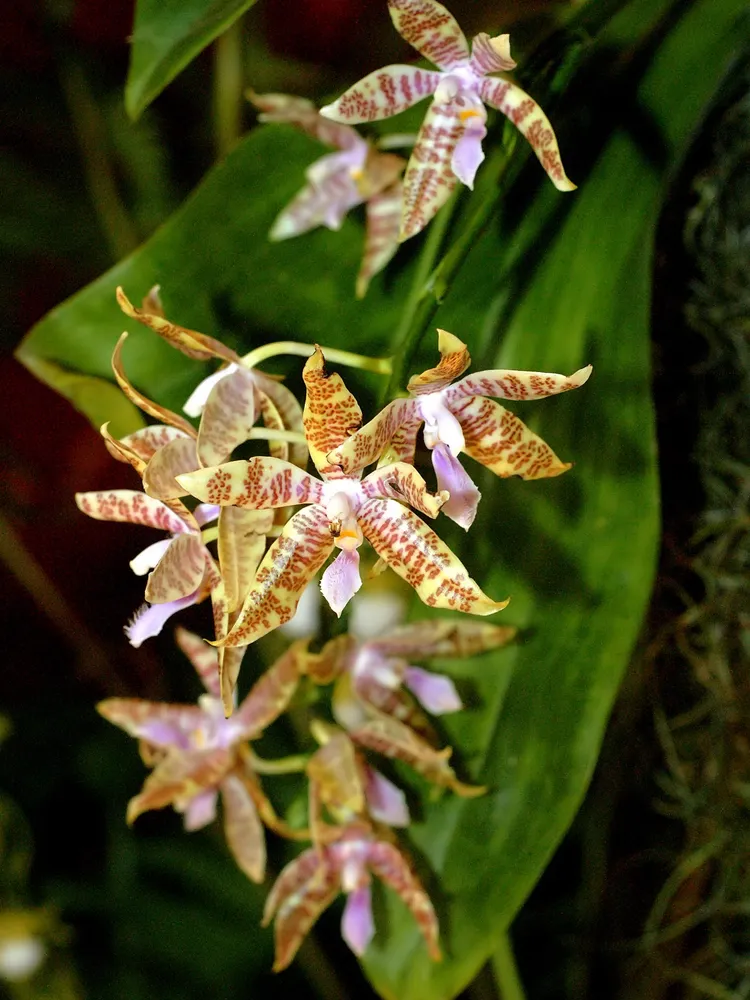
(431, 30)
(259, 483)
(241, 546)
(130, 506)
(203, 657)
(229, 414)
(147, 441)
(442, 637)
(243, 828)
(491, 55)
(269, 697)
(506, 384)
(454, 360)
(175, 457)
(195, 345)
(381, 235)
(382, 432)
(178, 778)
(429, 178)
(289, 565)
(302, 114)
(160, 725)
(402, 482)
(415, 552)
(154, 410)
(179, 572)
(382, 94)
(532, 123)
(331, 413)
(503, 443)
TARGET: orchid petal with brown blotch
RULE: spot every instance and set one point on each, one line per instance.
(454, 360)
(241, 546)
(271, 694)
(259, 483)
(383, 226)
(382, 94)
(146, 441)
(402, 482)
(203, 657)
(175, 457)
(430, 179)
(228, 416)
(507, 384)
(442, 637)
(336, 780)
(391, 867)
(179, 572)
(243, 828)
(331, 412)
(179, 777)
(416, 553)
(130, 506)
(431, 30)
(399, 417)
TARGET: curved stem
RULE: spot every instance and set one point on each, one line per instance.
(276, 434)
(285, 765)
(506, 971)
(381, 366)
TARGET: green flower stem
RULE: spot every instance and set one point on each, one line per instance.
(506, 972)
(228, 89)
(285, 765)
(381, 366)
(276, 434)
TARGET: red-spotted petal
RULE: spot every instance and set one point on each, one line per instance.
(507, 384)
(533, 124)
(148, 440)
(243, 828)
(442, 637)
(388, 863)
(454, 360)
(130, 506)
(382, 94)
(432, 30)
(179, 777)
(393, 430)
(269, 697)
(331, 413)
(400, 481)
(174, 458)
(381, 236)
(302, 114)
(203, 657)
(259, 483)
(228, 416)
(159, 724)
(429, 178)
(180, 570)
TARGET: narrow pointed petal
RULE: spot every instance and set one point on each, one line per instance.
(371, 441)
(242, 828)
(331, 413)
(454, 360)
(416, 553)
(157, 723)
(123, 451)
(203, 657)
(443, 637)
(507, 384)
(429, 178)
(228, 416)
(288, 566)
(194, 345)
(531, 122)
(148, 440)
(504, 444)
(159, 413)
(260, 483)
(269, 697)
(402, 482)
(432, 30)
(381, 236)
(175, 457)
(200, 811)
(279, 408)
(179, 778)
(242, 545)
(437, 693)
(388, 863)
(341, 580)
(468, 154)
(386, 803)
(453, 478)
(382, 94)
(357, 924)
(149, 620)
(130, 506)
(180, 571)
(302, 114)
(303, 890)
(491, 55)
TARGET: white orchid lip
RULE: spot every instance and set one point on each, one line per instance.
(441, 426)
(197, 400)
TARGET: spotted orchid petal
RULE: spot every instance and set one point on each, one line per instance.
(290, 563)
(431, 30)
(146, 441)
(302, 114)
(200, 811)
(159, 724)
(381, 237)
(357, 924)
(402, 482)
(491, 55)
(130, 506)
(242, 545)
(381, 94)
(269, 697)
(391, 867)
(394, 428)
(331, 413)
(452, 478)
(504, 444)
(154, 410)
(386, 803)
(229, 414)
(341, 580)
(506, 384)
(178, 778)
(304, 889)
(437, 693)
(532, 123)
(416, 553)
(279, 408)
(149, 620)
(429, 179)
(259, 483)
(203, 657)
(454, 360)
(175, 457)
(189, 342)
(442, 637)
(243, 828)
(179, 572)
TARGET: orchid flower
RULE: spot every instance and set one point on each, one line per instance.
(310, 883)
(340, 512)
(356, 174)
(199, 754)
(230, 401)
(449, 145)
(458, 416)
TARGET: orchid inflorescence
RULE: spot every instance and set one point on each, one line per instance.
(251, 534)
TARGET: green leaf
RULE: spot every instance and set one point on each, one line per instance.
(167, 34)
(566, 283)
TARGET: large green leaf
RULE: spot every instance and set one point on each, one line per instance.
(566, 283)
(167, 34)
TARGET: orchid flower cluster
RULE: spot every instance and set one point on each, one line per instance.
(251, 534)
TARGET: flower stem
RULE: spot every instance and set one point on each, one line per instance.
(276, 434)
(381, 366)
(228, 88)
(506, 971)
(285, 765)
